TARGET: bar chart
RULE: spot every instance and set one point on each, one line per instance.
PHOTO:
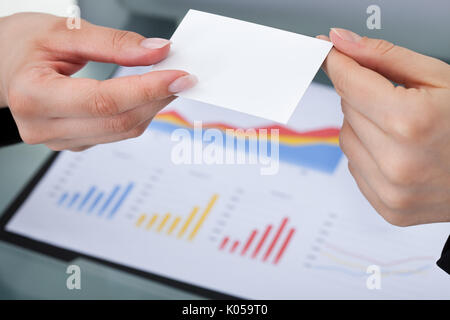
(96, 201)
(169, 224)
(274, 244)
(305, 233)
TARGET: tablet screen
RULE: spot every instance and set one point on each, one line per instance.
(200, 199)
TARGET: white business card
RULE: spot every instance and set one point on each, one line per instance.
(244, 66)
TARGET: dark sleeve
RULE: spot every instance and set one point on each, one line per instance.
(444, 261)
(8, 129)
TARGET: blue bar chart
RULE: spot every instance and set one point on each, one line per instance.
(96, 201)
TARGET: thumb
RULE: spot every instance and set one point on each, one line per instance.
(396, 63)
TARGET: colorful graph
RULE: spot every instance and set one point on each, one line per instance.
(256, 240)
(316, 149)
(170, 224)
(95, 201)
(351, 263)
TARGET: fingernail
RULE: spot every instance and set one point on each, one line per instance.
(154, 43)
(183, 83)
(346, 34)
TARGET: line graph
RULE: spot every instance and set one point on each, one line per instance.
(316, 149)
(375, 261)
(362, 268)
(338, 259)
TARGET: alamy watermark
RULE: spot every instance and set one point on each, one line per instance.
(73, 17)
(231, 146)
(73, 281)
(374, 19)
(373, 281)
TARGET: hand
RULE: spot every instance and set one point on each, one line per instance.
(38, 53)
(396, 138)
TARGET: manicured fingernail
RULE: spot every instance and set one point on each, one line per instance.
(154, 43)
(183, 83)
(346, 34)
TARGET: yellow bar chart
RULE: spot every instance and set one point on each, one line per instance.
(169, 224)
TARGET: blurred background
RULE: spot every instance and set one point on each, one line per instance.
(420, 25)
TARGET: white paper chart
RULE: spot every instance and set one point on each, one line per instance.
(305, 232)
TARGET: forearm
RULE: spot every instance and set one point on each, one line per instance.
(3, 47)
(3, 103)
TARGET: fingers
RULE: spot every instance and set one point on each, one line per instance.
(65, 129)
(400, 112)
(395, 160)
(374, 200)
(97, 43)
(369, 179)
(362, 160)
(68, 97)
(75, 128)
(400, 218)
(85, 143)
(390, 134)
(403, 162)
(398, 64)
(398, 204)
(118, 95)
(372, 94)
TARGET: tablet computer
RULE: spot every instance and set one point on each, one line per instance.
(227, 205)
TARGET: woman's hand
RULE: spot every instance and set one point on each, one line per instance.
(38, 53)
(396, 138)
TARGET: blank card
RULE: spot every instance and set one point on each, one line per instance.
(244, 66)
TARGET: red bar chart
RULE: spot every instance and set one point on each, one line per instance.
(268, 244)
